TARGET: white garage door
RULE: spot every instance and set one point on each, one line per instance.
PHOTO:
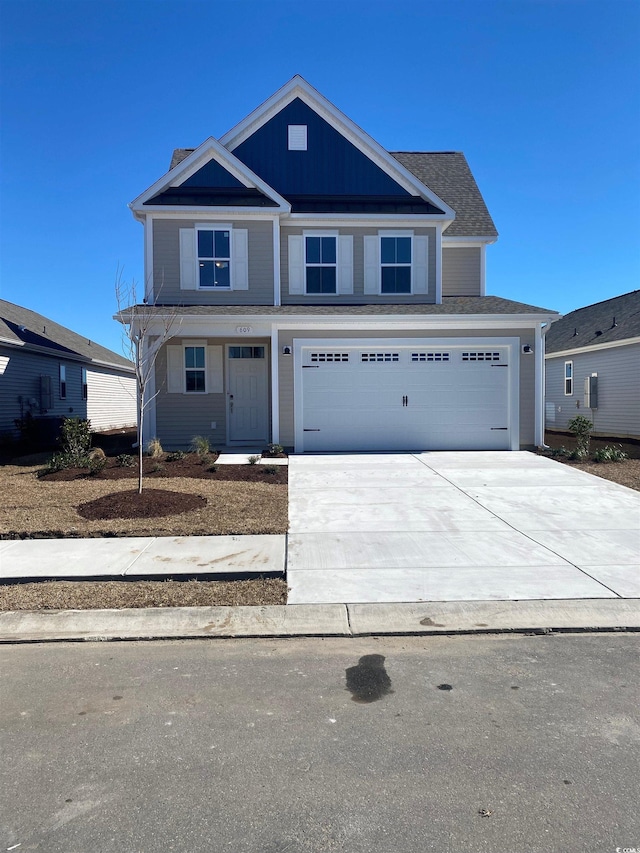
(394, 396)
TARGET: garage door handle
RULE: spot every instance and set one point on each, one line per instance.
(499, 365)
(499, 428)
(310, 430)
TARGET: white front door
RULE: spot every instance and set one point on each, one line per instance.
(247, 394)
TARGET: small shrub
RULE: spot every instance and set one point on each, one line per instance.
(579, 454)
(75, 440)
(271, 469)
(158, 468)
(58, 462)
(97, 464)
(125, 460)
(154, 449)
(176, 456)
(610, 453)
(97, 453)
(200, 445)
(253, 460)
(273, 450)
(212, 469)
(581, 428)
(558, 452)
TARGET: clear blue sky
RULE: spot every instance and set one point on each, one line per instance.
(543, 98)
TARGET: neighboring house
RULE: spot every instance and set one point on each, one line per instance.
(48, 372)
(593, 367)
(331, 295)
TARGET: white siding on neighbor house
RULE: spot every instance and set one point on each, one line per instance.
(358, 295)
(527, 370)
(461, 271)
(618, 369)
(111, 399)
(166, 266)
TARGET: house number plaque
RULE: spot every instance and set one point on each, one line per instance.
(244, 330)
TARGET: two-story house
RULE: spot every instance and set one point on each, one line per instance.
(331, 295)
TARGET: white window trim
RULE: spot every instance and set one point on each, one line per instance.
(396, 233)
(324, 233)
(213, 226)
(189, 345)
(569, 378)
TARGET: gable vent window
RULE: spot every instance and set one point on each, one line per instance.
(430, 356)
(329, 356)
(380, 356)
(481, 356)
(297, 137)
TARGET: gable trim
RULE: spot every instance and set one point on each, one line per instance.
(210, 149)
(593, 348)
(297, 87)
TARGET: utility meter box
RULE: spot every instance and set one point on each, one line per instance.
(591, 391)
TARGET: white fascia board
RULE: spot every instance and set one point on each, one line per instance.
(592, 348)
(11, 343)
(172, 211)
(297, 87)
(209, 149)
(466, 242)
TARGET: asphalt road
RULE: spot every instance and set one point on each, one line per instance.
(400, 745)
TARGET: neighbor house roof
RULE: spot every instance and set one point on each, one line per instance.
(30, 330)
(447, 173)
(602, 323)
(458, 305)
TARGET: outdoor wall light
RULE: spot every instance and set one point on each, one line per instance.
(527, 350)
(286, 350)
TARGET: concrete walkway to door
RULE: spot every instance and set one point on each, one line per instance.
(457, 526)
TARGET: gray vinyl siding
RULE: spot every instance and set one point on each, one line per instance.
(461, 271)
(527, 370)
(20, 389)
(358, 295)
(618, 412)
(111, 399)
(166, 266)
(179, 417)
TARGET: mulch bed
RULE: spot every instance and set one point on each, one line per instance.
(152, 503)
(192, 466)
(98, 595)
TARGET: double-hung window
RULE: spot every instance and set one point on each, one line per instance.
(63, 382)
(320, 264)
(568, 378)
(395, 260)
(195, 369)
(85, 387)
(214, 257)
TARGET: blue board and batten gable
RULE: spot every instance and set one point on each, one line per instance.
(212, 174)
(331, 167)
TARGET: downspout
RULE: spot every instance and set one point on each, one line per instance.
(275, 386)
(541, 331)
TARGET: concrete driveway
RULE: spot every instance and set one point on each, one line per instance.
(457, 526)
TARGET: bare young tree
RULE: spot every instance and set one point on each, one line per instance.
(146, 328)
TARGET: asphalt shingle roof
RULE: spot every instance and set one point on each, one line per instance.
(594, 324)
(447, 173)
(24, 327)
(467, 305)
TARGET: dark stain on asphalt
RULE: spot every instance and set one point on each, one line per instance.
(515, 687)
(117, 697)
(368, 681)
(428, 621)
(445, 687)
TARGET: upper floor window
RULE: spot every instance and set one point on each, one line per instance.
(396, 263)
(395, 259)
(320, 261)
(214, 257)
(85, 389)
(63, 382)
(568, 378)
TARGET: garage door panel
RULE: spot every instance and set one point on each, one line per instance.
(405, 398)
